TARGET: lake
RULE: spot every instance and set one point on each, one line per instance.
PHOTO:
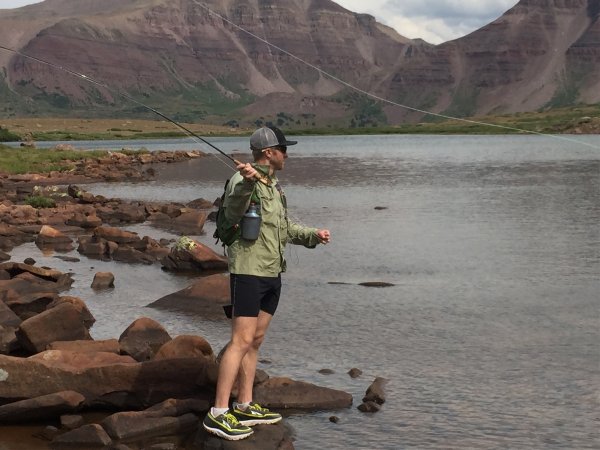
(489, 335)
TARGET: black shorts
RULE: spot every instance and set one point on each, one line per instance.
(251, 294)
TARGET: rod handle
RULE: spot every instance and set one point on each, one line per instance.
(264, 180)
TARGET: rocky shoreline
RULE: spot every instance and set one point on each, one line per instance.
(144, 389)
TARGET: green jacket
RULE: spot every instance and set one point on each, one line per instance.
(263, 257)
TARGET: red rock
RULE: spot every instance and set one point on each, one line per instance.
(287, 393)
(103, 280)
(43, 407)
(185, 347)
(206, 297)
(61, 323)
(122, 386)
(143, 338)
(87, 436)
(109, 345)
(78, 361)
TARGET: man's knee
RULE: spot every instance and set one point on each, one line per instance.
(258, 340)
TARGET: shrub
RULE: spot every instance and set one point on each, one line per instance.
(8, 136)
(38, 201)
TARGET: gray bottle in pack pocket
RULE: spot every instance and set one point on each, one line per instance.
(251, 223)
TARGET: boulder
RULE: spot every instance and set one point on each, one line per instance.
(51, 238)
(27, 295)
(369, 407)
(128, 254)
(200, 203)
(79, 305)
(8, 340)
(82, 195)
(116, 213)
(71, 421)
(4, 257)
(177, 407)
(119, 236)
(60, 280)
(103, 280)
(93, 247)
(188, 222)
(206, 297)
(83, 220)
(278, 436)
(190, 255)
(375, 392)
(85, 437)
(186, 347)
(11, 236)
(143, 338)
(355, 372)
(77, 361)
(8, 317)
(43, 407)
(61, 323)
(121, 386)
(107, 346)
(131, 426)
(280, 392)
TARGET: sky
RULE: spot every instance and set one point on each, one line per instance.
(435, 21)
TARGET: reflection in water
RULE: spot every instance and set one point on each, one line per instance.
(489, 336)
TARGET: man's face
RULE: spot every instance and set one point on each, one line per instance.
(277, 158)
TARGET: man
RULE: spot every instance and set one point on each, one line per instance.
(255, 268)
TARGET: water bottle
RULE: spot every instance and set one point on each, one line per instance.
(251, 223)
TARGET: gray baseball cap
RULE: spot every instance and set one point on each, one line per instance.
(266, 137)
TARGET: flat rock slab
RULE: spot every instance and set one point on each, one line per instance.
(123, 386)
(205, 297)
(281, 392)
(266, 437)
(131, 426)
(43, 407)
(87, 436)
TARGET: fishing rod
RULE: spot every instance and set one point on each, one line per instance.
(91, 80)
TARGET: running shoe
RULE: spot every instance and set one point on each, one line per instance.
(255, 415)
(226, 426)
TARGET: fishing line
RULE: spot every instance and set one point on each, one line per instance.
(126, 96)
(381, 99)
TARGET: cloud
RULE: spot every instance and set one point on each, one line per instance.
(9, 4)
(435, 21)
(449, 9)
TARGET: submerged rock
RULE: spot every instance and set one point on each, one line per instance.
(281, 392)
(206, 296)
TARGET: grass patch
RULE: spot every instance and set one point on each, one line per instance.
(38, 201)
(30, 160)
(8, 136)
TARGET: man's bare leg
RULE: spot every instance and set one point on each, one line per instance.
(243, 331)
(247, 369)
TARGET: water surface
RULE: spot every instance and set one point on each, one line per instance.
(489, 336)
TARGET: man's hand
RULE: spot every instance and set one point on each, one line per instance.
(247, 171)
(324, 236)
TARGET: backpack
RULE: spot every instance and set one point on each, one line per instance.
(226, 231)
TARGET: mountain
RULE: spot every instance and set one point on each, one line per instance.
(539, 53)
(180, 58)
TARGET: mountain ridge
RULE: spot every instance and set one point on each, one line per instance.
(177, 56)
